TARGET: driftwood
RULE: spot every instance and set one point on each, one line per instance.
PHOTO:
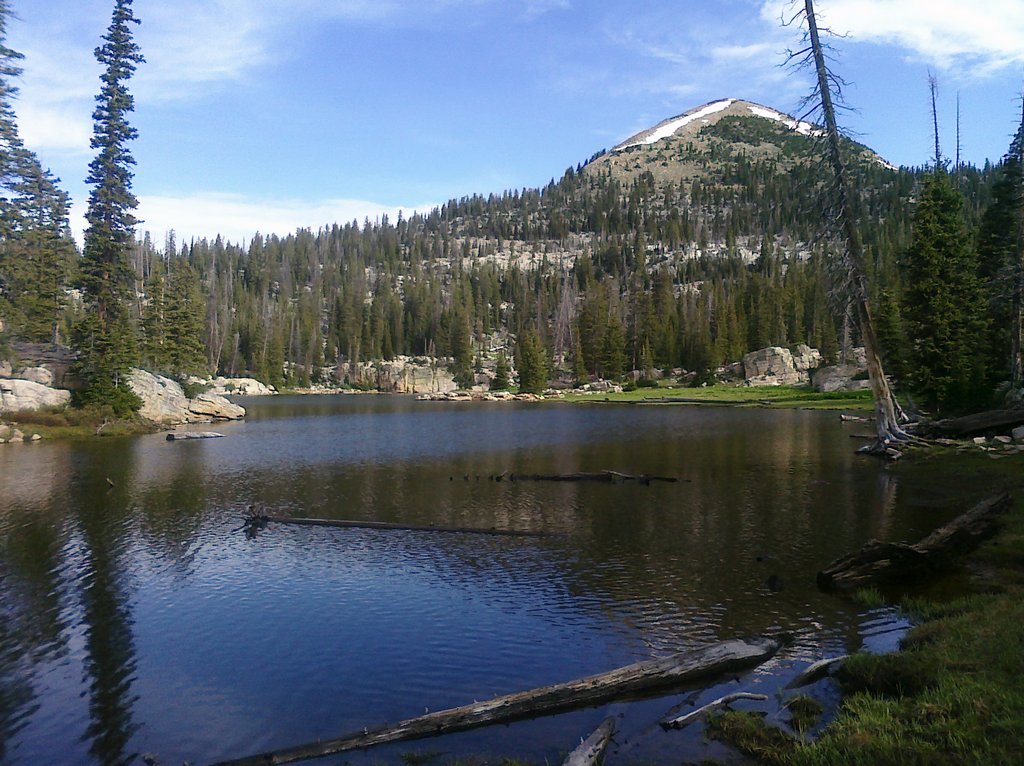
(878, 563)
(639, 679)
(728, 699)
(186, 435)
(814, 672)
(593, 747)
(978, 424)
(612, 477)
(257, 520)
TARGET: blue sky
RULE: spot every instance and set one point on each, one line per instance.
(266, 115)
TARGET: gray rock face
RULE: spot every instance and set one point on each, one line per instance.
(240, 387)
(18, 395)
(776, 366)
(405, 375)
(164, 402)
(839, 378)
(1018, 434)
(56, 360)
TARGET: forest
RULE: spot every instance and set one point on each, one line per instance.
(597, 273)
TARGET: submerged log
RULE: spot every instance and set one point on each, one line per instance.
(186, 435)
(612, 477)
(703, 710)
(592, 748)
(878, 563)
(256, 520)
(642, 678)
(815, 672)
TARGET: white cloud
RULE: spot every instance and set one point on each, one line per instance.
(238, 218)
(971, 36)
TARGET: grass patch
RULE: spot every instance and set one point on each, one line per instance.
(748, 733)
(767, 396)
(76, 423)
(804, 713)
(870, 598)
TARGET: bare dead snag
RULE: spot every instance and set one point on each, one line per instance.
(643, 678)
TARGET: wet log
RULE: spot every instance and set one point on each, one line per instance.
(878, 563)
(728, 699)
(611, 477)
(187, 435)
(640, 679)
(814, 672)
(978, 424)
(256, 521)
(592, 748)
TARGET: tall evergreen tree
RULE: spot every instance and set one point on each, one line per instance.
(36, 248)
(106, 342)
(943, 305)
(1001, 260)
(533, 367)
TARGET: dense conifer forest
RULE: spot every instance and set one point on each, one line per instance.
(685, 253)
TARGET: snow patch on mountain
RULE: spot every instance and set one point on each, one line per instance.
(669, 127)
(804, 128)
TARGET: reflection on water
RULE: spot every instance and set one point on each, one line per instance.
(135, 617)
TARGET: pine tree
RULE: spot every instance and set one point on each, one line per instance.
(1001, 260)
(943, 304)
(106, 338)
(501, 380)
(36, 248)
(533, 368)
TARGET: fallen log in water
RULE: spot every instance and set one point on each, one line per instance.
(592, 748)
(633, 680)
(728, 699)
(815, 672)
(878, 563)
(257, 520)
(186, 435)
(611, 477)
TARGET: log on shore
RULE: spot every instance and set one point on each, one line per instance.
(592, 748)
(878, 563)
(978, 424)
(640, 679)
(611, 477)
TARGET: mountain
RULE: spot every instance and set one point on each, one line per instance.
(694, 144)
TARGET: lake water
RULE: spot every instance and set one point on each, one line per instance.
(135, 616)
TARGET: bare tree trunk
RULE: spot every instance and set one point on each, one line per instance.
(887, 422)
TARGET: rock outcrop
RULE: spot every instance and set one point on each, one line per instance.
(841, 377)
(49, 364)
(239, 387)
(22, 395)
(404, 375)
(164, 402)
(777, 366)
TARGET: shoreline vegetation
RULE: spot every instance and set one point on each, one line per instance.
(71, 423)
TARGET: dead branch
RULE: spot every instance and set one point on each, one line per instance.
(728, 699)
(592, 748)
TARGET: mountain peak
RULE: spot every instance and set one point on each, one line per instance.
(692, 121)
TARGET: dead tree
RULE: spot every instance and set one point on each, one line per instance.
(827, 90)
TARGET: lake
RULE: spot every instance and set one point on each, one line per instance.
(136, 617)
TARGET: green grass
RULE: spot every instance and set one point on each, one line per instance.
(761, 396)
(952, 695)
(72, 423)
